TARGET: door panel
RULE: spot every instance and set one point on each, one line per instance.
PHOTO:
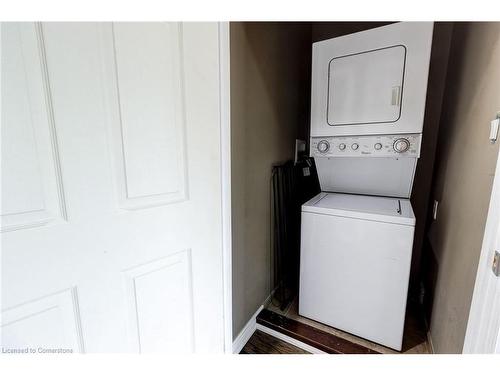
(146, 104)
(157, 323)
(135, 123)
(49, 322)
(31, 182)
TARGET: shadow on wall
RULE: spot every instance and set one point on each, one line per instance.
(422, 185)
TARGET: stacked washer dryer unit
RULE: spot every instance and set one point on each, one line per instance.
(368, 103)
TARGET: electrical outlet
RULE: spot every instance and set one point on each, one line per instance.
(435, 210)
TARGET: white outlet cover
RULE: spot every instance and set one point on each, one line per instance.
(435, 210)
(494, 130)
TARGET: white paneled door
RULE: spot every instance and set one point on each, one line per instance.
(111, 188)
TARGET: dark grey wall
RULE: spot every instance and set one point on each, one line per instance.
(269, 107)
(465, 168)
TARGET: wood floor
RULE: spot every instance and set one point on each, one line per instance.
(262, 343)
(312, 336)
(414, 340)
(326, 338)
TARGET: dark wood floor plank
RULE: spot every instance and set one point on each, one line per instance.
(310, 335)
(262, 343)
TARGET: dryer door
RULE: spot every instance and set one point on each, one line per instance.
(372, 82)
(365, 88)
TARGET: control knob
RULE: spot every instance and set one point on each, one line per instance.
(323, 146)
(401, 145)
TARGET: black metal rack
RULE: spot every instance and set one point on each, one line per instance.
(291, 186)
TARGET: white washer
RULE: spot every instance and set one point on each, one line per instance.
(355, 263)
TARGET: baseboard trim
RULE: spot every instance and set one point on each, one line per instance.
(247, 332)
(429, 336)
(269, 298)
(429, 340)
(290, 340)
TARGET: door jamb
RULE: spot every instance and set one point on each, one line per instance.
(484, 311)
(225, 155)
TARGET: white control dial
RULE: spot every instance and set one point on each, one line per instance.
(378, 146)
(323, 146)
(354, 146)
(342, 146)
(401, 145)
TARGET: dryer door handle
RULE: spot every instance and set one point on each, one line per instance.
(396, 95)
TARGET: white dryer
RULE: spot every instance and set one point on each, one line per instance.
(367, 111)
(370, 87)
(371, 82)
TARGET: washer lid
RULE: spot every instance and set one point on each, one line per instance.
(388, 210)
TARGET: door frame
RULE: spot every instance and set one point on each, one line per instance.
(484, 316)
(225, 160)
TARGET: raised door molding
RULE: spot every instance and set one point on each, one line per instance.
(50, 322)
(143, 76)
(32, 189)
(160, 304)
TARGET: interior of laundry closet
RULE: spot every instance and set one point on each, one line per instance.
(271, 68)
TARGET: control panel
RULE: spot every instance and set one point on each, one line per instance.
(397, 146)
